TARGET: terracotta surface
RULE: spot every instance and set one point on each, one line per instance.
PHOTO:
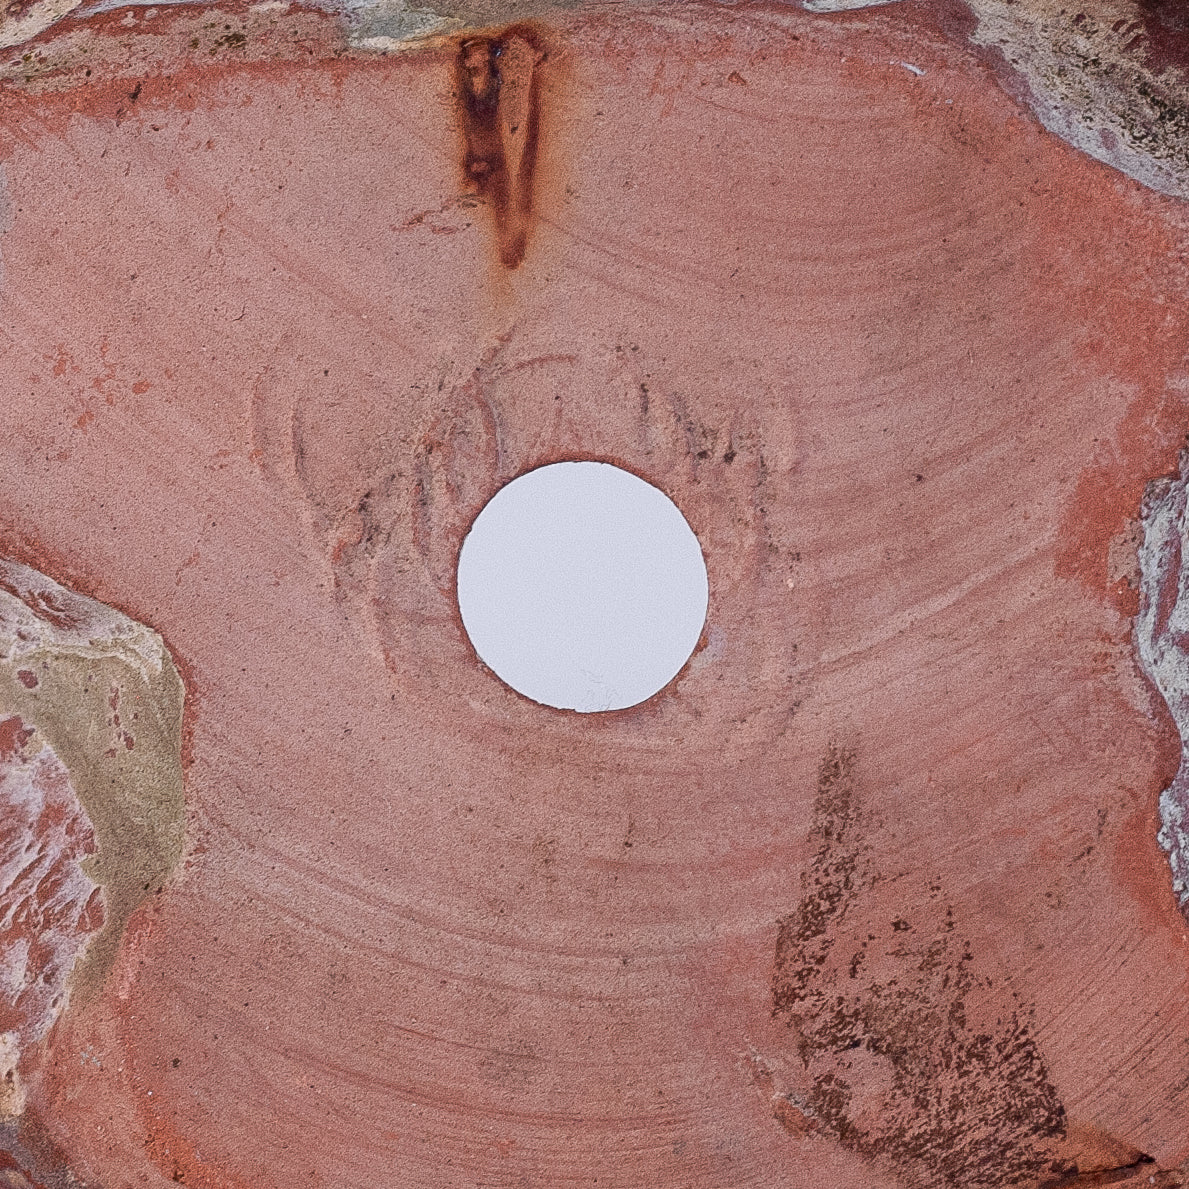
(871, 895)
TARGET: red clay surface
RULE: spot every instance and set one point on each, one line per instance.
(871, 895)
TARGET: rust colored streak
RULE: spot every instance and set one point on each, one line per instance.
(499, 99)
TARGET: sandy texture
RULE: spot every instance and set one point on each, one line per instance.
(871, 895)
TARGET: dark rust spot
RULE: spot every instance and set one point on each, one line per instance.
(499, 94)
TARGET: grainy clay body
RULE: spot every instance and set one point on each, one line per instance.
(871, 894)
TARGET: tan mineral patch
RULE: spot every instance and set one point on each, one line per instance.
(103, 692)
(28, 22)
(12, 1092)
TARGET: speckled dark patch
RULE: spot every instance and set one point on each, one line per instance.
(1166, 29)
(917, 1055)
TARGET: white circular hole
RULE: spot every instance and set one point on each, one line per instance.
(582, 587)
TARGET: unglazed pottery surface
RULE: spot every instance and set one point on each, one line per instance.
(877, 892)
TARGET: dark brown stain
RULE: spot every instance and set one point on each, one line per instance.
(917, 1054)
(499, 99)
(1165, 25)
